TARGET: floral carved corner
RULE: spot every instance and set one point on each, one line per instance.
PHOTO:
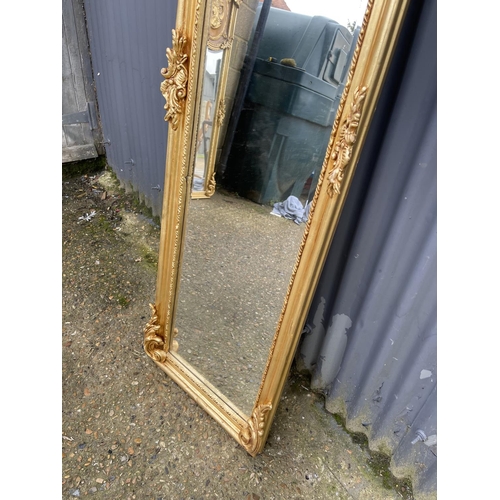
(251, 435)
(154, 342)
(174, 86)
(221, 112)
(342, 150)
(221, 14)
(211, 186)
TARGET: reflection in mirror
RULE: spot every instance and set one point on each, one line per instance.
(220, 22)
(210, 86)
(241, 243)
(292, 99)
(237, 264)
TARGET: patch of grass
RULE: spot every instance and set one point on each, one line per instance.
(131, 201)
(105, 224)
(379, 463)
(149, 258)
(122, 300)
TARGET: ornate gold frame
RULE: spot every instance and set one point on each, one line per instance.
(220, 20)
(379, 32)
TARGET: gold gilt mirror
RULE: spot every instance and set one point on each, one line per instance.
(211, 107)
(235, 281)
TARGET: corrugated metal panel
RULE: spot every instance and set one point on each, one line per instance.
(128, 40)
(371, 344)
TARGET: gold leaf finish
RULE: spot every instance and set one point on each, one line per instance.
(211, 185)
(173, 87)
(342, 150)
(221, 112)
(218, 13)
(251, 435)
(227, 43)
(220, 23)
(221, 16)
(154, 343)
(183, 93)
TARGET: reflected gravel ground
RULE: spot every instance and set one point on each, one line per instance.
(237, 264)
(128, 431)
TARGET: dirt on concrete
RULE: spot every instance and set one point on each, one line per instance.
(128, 431)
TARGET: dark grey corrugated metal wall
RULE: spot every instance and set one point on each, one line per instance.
(128, 40)
(371, 345)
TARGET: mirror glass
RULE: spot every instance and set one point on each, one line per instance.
(241, 243)
(210, 85)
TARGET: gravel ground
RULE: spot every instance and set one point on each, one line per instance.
(128, 431)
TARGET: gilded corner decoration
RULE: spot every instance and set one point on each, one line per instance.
(251, 435)
(211, 185)
(218, 14)
(154, 342)
(221, 112)
(341, 153)
(220, 17)
(174, 86)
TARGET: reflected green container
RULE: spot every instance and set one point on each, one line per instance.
(288, 114)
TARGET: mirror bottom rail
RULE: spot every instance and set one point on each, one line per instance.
(245, 430)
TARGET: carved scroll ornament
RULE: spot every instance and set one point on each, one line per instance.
(154, 342)
(211, 185)
(341, 152)
(251, 435)
(220, 19)
(174, 86)
(221, 112)
(218, 14)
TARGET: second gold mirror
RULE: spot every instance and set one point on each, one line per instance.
(218, 37)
